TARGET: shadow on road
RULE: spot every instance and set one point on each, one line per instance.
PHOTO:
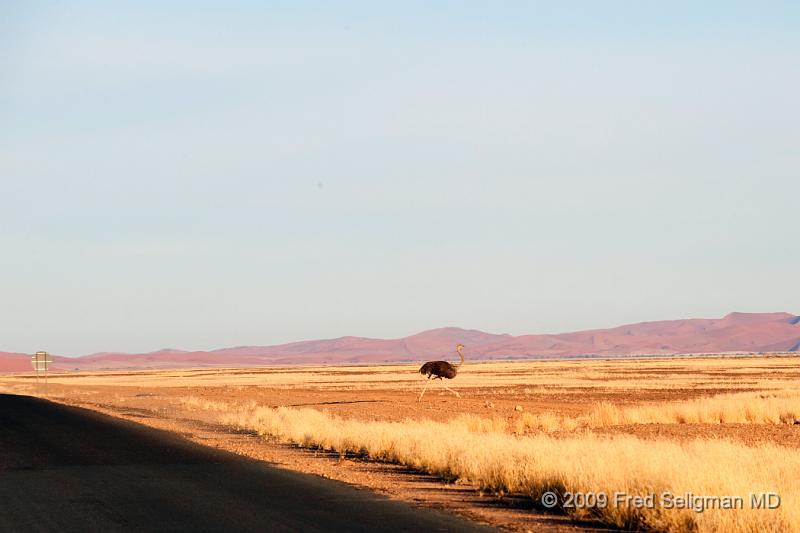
(64, 468)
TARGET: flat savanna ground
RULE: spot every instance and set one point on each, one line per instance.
(518, 430)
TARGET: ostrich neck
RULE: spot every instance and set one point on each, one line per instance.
(458, 365)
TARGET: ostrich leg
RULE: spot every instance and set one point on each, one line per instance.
(423, 389)
(451, 390)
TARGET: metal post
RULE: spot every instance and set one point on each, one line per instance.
(41, 361)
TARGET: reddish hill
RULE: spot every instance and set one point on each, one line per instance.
(14, 362)
(736, 332)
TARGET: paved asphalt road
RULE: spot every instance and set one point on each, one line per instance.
(69, 469)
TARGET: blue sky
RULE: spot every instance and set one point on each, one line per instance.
(199, 176)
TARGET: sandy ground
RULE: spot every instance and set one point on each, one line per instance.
(497, 390)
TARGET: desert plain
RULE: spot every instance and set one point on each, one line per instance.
(714, 428)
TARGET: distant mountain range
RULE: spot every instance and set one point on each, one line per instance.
(736, 332)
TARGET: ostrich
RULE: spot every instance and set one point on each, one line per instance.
(439, 370)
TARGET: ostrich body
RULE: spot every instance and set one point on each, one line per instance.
(441, 369)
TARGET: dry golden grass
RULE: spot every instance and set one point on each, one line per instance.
(481, 451)
(517, 378)
(782, 407)
(778, 407)
(193, 402)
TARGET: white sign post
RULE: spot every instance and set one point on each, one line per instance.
(41, 362)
